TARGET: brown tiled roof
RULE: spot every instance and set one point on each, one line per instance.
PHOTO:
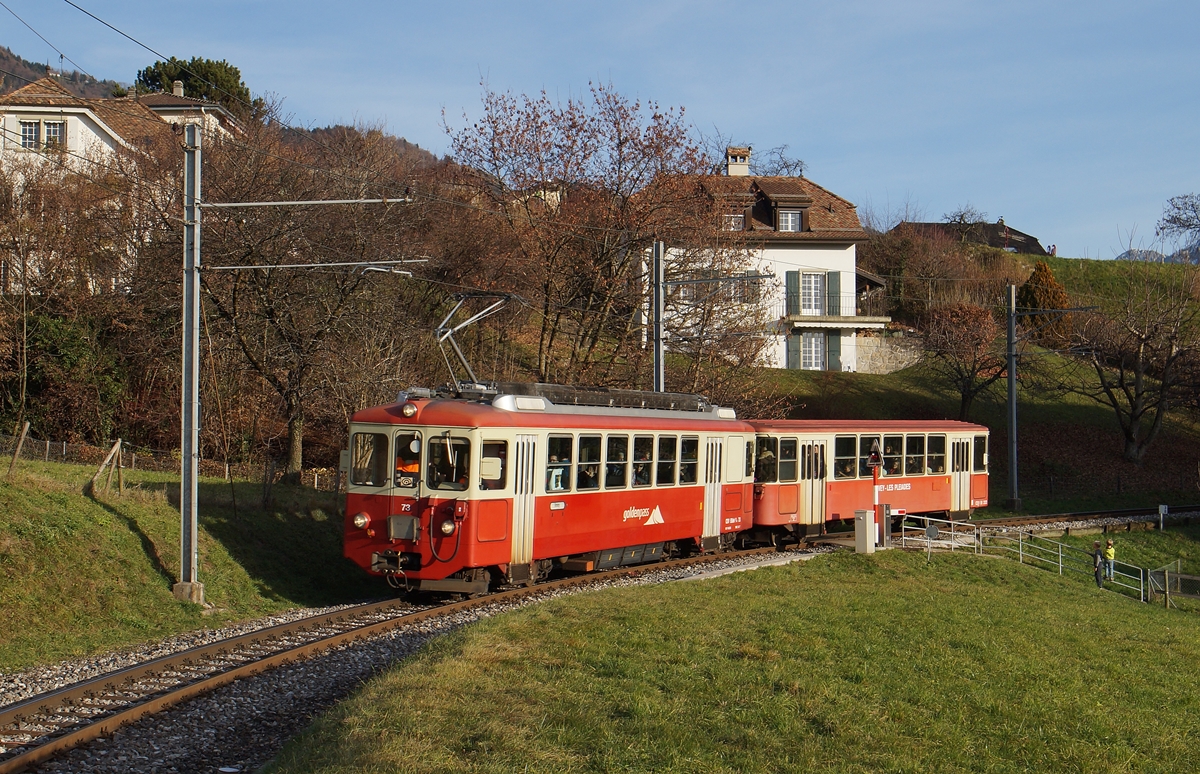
(133, 122)
(830, 217)
(45, 92)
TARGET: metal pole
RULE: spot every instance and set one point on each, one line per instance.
(1014, 496)
(189, 589)
(660, 371)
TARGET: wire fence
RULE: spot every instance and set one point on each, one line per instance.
(163, 461)
(1025, 547)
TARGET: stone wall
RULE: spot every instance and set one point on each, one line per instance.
(883, 354)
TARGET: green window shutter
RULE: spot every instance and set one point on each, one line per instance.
(833, 350)
(833, 293)
(792, 287)
(793, 349)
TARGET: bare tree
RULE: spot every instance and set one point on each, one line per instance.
(1135, 352)
(1181, 217)
(288, 323)
(578, 192)
(960, 342)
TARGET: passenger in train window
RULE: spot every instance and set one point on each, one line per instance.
(643, 454)
(845, 469)
(588, 478)
(617, 468)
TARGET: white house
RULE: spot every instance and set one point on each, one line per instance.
(45, 116)
(806, 237)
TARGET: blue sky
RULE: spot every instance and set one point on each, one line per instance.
(1075, 121)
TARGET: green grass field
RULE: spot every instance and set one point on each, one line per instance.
(842, 664)
(80, 574)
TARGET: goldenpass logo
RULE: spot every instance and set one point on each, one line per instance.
(651, 517)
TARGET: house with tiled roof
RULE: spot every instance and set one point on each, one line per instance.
(806, 237)
(175, 108)
(44, 115)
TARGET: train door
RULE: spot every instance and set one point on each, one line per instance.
(960, 471)
(812, 482)
(524, 477)
(714, 463)
(406, 490)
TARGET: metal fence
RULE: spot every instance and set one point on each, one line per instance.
(1028, 548)
(164, 461)
(1169, 581)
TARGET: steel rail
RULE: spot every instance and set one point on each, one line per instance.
(1012, 521)
(62, 701)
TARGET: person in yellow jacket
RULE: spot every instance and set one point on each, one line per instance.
(1110, 558)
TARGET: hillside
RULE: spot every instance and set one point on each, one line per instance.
(20, 71)
(79, 575)
(845, 663)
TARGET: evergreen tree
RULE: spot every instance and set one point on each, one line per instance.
(1043, 291)
(202, 78)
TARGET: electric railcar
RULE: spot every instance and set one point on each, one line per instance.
(810, 472)
(454, 494)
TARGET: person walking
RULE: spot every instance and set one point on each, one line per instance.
(1098, 563)
(1110, 559)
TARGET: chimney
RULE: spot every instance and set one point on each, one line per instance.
(737, 161)
(177, 88)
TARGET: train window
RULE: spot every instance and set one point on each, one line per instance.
(449, 463)
(766, 460)
(368, 459)
(689, 460)
(667, 446)
(616, 467)
(914, 455)
(981, 454)
(558, 463)
(787, 459)
(812, 461)
(408, 460)
(749, 459)
(962, 453)
(588, 473)
(935, 462)
(493, 468)
(643, 459)
(843, 456)
(865, 444)
(893, 447)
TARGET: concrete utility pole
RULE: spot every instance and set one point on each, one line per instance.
(188, 588)
(1014, 497)
(659, 293)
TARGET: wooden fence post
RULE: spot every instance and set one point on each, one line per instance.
(103, 465)
(17, 451)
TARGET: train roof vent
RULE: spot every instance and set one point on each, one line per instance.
(565, 395)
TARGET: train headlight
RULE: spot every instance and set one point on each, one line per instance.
(447, 527)
(362, 520)
(409, 410)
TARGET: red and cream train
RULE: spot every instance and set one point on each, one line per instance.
(459, 493)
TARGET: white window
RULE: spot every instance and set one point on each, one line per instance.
(31, 134)
(56, 134)
(735, 222)
(789, 220)
(812, 351)
(812, 294)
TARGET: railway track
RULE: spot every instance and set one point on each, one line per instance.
(1050, 518)
(38, 728)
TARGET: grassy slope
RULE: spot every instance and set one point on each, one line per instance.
(845, 663)
(1151, 549)
(80, 575)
